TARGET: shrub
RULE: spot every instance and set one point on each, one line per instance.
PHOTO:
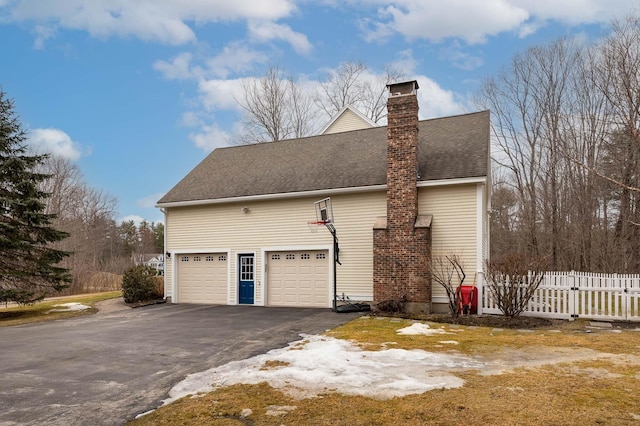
(393, 306)
(448, 271)
(513, 280)
(139, 284)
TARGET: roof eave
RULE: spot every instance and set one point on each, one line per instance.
(320, 192)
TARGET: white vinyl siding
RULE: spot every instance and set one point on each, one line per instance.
(454, 225)
(347, 121)
(277, 225)
(281, 224)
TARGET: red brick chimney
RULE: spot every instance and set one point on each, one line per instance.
(402, 239)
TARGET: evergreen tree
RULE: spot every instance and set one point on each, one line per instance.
(28, 270)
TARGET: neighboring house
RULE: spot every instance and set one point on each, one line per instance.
(156, 261)
(236, 225)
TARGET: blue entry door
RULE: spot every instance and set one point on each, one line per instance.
(246, 274)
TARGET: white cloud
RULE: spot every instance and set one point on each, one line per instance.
(435, 101)
(434, 20)
(235, 57)
(150, 200)
(267, 31)
(455, 53)
(473, 21)
(179, 68)
(165, 21)
(210, 137)
(405, 62)
(218, 94)
(134, 217)
(42, 33)
(575, 12)
(191, 119)
(54, 141)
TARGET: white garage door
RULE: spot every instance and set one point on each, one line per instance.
(298, 278)
(202, 278)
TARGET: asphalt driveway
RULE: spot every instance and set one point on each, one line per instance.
(105, 369)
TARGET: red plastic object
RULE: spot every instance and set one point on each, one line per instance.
(467, 298)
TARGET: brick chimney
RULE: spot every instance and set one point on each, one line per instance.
(402, 239)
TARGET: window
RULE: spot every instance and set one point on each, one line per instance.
(305, 256)
(184, 259)
(196, 258)
(275, 257)
(290, 256)
(321, 256)
(209, 259)
(222, 258)
(246, 268)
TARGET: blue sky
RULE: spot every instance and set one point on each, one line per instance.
(138, 92)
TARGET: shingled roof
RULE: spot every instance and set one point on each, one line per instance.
(449, 148)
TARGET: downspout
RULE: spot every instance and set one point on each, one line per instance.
(166, 260)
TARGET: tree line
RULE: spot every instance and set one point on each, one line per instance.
(566, 151)
(56, 232)
(96, 241)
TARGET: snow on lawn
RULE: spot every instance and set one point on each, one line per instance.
(423, 329)
(67, 307)
(320, 364)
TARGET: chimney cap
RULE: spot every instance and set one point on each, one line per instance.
(403, 88)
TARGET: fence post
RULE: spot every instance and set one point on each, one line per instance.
(571, 284)
(624, 295)
(480, 291)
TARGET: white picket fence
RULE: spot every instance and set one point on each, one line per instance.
(570, 295)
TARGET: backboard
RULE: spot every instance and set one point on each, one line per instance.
(324, 211)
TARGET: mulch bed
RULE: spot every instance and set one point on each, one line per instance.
(500, 321)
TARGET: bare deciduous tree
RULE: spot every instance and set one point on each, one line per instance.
(275, 108)
(87, 215)
(351, 84)
(448, 271)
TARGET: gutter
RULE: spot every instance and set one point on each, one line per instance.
(317, 193)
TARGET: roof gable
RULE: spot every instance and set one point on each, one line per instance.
(348, 118)
(449, 148)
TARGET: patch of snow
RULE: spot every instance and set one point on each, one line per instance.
(421, 329)
(322, 364)
(449, 342)
(144, 414)
(68, 307)
(279, 410)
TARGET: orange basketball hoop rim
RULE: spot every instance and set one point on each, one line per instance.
(314, 225)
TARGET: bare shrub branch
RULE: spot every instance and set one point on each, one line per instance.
(448, 271)
(513, 281)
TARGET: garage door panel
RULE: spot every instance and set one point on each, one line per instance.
(202, 278)
(298, 278)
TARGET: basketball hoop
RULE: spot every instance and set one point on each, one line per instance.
(324, 217)
(314, 225)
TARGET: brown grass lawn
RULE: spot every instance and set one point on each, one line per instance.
(563, 374)
(41, 311)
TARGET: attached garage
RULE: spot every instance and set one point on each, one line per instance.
(298, 278)
(202, 278)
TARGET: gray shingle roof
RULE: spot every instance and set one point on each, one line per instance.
(450, 147)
